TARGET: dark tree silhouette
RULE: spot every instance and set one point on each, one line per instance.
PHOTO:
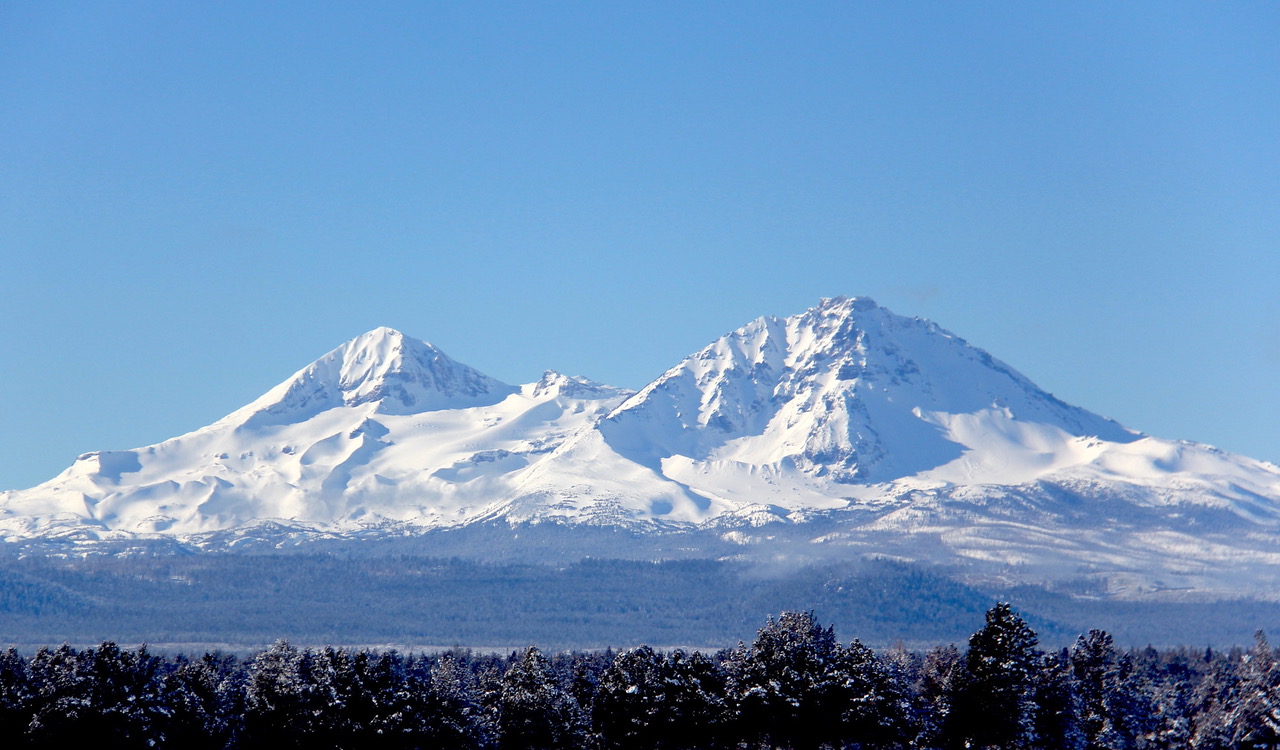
(533, 711)
(795, 686)
(995, 704)
(16, 694)
(788, 687)
(1255, 720)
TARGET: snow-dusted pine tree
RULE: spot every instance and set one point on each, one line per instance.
(788, 687)
(632, 707)
(876, 709)
(275, 700)
(1255, 720)
(995, 704)
(533, 711)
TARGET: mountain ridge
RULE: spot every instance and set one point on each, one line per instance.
(845, 430)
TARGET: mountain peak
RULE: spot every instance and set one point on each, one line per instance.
(841, 305)
(381, 333)
(379, 347)
(555, 383)
(397, 373)
(846, 389)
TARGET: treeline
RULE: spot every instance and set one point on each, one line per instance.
(224, 598)
(588, 604)
(794, 686)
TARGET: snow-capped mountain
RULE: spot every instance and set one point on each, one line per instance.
(382, 429)
(836, 402)
(845, 430)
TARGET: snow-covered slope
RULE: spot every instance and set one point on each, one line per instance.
(857, 431)
(382, 429)
(807, 411)
(844, 430)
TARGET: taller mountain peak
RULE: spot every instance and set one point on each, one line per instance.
(842, 305)
(845, 388)
(396, 373)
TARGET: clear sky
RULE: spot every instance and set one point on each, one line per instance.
(198, 199)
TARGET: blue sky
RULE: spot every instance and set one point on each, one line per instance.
(197, 199)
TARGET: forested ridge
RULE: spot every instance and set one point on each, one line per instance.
(249, 600)
(794, 686)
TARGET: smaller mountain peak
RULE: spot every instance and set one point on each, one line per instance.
(406, 375)
(380, 339)
(397, 373)
(555, 383)
(377, 353)
(382, 332)
(551, 383)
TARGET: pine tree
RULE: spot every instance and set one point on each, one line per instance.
(533, 711)
(1171, 700)
(995, 704)
(452, 714)
(697, 693)
(788, 688)
(275, 700)
(1057, 706)
(60, 683)
(1213, 702)
(16, 695)
(876, 709)
(400, 695)
(124, 695)
(1093, 662)
(632, 708)
(941, 671)
(585, 670)
(336, 700)
(201, 704)
(1255, 720)
(1131, 705)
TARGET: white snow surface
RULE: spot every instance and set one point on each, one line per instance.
(383, 428)
(852, 428)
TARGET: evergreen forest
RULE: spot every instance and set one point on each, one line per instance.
(244, 602)
(795, 685)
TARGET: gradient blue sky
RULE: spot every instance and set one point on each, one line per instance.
(197, 199)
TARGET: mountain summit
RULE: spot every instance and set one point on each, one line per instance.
(847, 390)
(845, 430)
(844, 405)
(398, 374)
